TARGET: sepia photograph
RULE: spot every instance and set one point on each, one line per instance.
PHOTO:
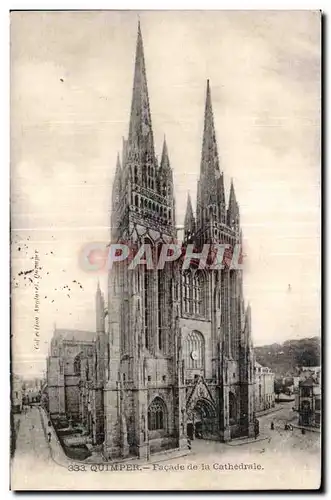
(165, 205)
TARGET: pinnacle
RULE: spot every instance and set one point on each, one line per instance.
(189, 222)
(209, 169)
(118, 162)
(165, 163)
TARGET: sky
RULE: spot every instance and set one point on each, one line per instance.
(71, 85)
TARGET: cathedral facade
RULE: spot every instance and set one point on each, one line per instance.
(178, 349)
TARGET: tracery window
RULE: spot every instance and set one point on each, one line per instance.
(156, 415)
(197, 294)
(198, 289)
(186, 292)
(194, 351)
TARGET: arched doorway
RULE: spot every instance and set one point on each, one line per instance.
(201, 420)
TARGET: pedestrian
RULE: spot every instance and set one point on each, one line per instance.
(49, 437)
(49, 423)
(303, 431)
(272, 426)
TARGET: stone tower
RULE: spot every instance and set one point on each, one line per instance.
(180, 353)
(142, 367)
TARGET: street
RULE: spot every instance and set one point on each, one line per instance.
(280, 457)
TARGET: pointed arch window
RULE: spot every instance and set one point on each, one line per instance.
(194, 351)
(186, 292)
(156, 415)
(198, 290)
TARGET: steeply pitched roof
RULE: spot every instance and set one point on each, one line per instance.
(74, 335)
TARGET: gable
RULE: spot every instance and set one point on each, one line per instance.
(200, 392)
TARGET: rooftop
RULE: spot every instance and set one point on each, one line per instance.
(74, 335)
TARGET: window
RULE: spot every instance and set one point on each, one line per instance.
(186, 292)
(305, 406)
(198, 293)
(194, 351)
(156, 415)
(317, 404)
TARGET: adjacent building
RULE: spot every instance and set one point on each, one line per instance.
(308, 402)
(75, 380)
(264, 388)
(16, 394)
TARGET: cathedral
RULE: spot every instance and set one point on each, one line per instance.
(176, 351)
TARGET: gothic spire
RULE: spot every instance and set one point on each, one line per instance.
(165, 163)
(209, 157)
(220, 189)
(116, 196)
(233, 209)
(140, 130)
(211, 179)
(189, 222)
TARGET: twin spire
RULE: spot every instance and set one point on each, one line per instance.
(211, 192)
(211, 185)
